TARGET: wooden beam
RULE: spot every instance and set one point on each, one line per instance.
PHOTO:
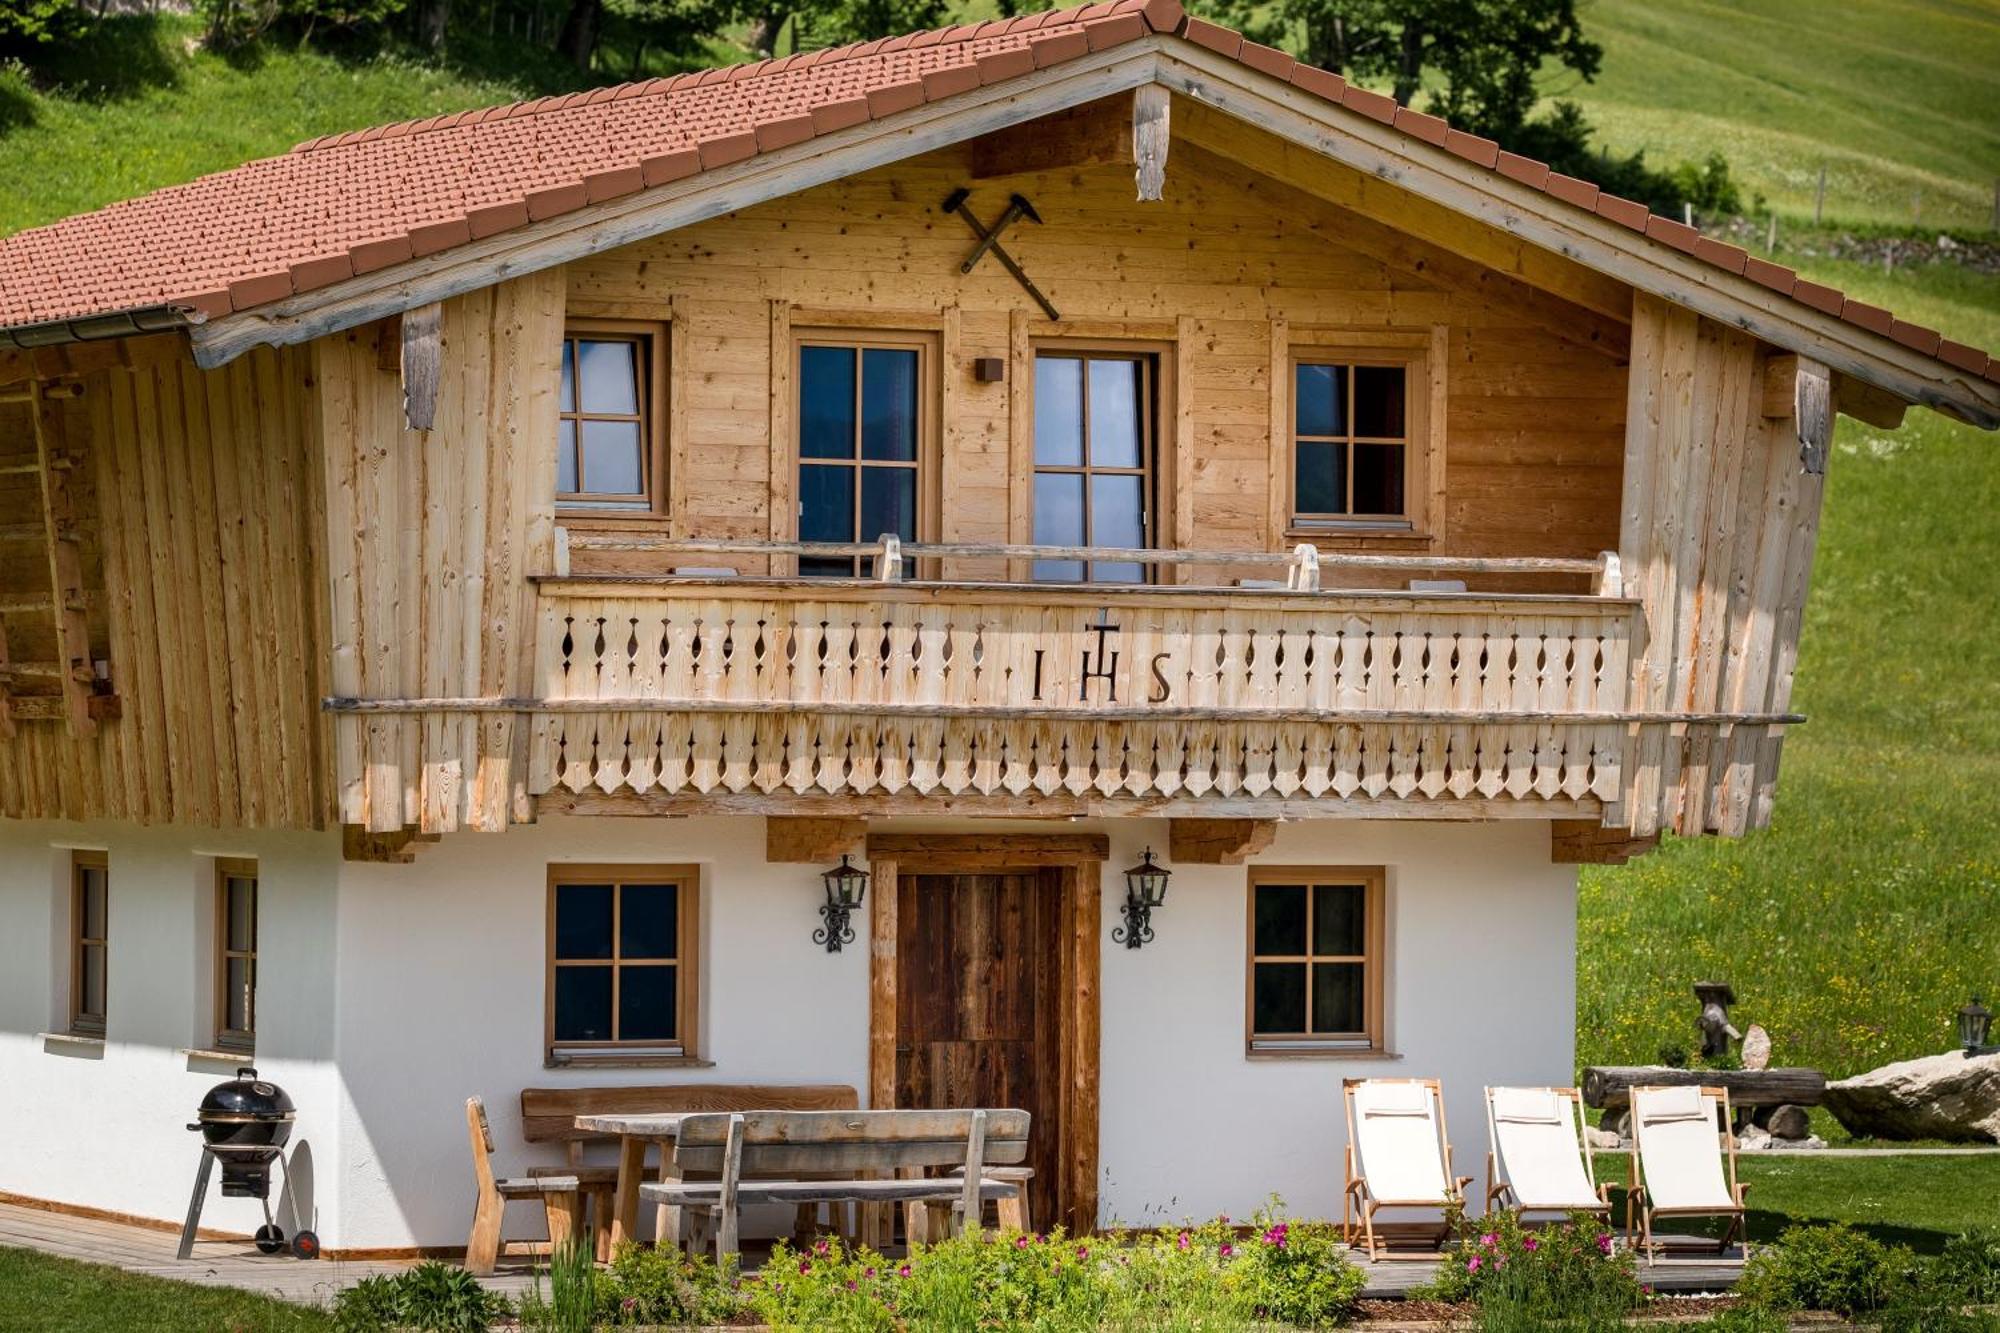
(1151, 108)
(65, 563)
(1587, 842)
(656, 804)
(1219, 842)
(1081, 1111)
(423, 352)
(1095, 134)
(811, 841)
(1780, 393)
(1812, 414)
(950, 852)
(397, 847)
(1865, 402)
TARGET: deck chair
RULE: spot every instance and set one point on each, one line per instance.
(1398, 1156)
(1683, 1163)
(1539, 1157)
(559, 1197)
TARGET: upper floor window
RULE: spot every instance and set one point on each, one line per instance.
(622, 950)
(608, 454)
(90, 928)
(1094, 460)
(1316, 959)
(863, 423)
(236, 955)
(1359, 446)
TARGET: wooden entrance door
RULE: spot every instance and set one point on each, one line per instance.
(979, 1005)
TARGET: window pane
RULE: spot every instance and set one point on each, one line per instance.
(1117, 510)
(826, 402)
(1281, 919)
(1058, 411)
(1058, 509)
(825, 567)
(648, 921)
(93, 903)
(240, 997)
(1378, 478)
(1117, 572)
(1278, 1001)
(647, 1005)
(1378, 401)
(889, 502)
(608, 373)
(1317, 481)
(565, 457)
(568, 376)
(93, 979)
(1340, 913)
(612, 458)
(242, 932)
(826, 504)
(1337, 998)
(1319, 400)
(1115, 405)
(583, 921)
(583, 1004)
(889, 404)
(1058, 571)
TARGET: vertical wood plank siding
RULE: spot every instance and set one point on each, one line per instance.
(202, 509)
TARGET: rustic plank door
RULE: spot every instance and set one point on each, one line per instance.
(978, 1006)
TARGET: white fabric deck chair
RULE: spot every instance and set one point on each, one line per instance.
(1539, 1157)
(1683, 1163)
(1398, 1155)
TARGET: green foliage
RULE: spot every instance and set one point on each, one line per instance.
(237, 23)
(41, 1293)
(1832, 1267)
(663, 1285)
(26, 24)
(1297, 1273)
(572, 1303)
(1563, 138)
(1565, 1276)
(1954, 1292)
(1673, 1054)
(1737, 1319)
(1969, 1268)
(433, 1297)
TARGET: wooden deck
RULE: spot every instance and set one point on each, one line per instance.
(237, 1263)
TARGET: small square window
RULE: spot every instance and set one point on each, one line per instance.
(1361, 442)
(621, 962)
(1316, 960)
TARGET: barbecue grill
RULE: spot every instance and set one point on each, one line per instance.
(244, 1124)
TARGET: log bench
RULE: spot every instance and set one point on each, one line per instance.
(548, 1115)
(1610, 1086)
(854, 1157)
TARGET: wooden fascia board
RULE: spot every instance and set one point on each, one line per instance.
(706, 195)
(1596, 243)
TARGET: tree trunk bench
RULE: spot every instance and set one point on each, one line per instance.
(1610, 1086)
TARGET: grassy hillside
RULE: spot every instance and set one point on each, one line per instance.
(1892, 96)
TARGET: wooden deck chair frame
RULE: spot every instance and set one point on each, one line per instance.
(1639, 1210)
(1358, 1205)
(1498, 1191)
(560, 1196)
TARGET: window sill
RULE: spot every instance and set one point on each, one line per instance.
(209, 1055)
(611, 520)
(72, 1043)
(1372, 1053)
(1360, 539)
(610, 1060)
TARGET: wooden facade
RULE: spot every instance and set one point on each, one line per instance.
(314, 614)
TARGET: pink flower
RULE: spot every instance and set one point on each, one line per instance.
(1489, 1240)
(820, 1248)
(1275, 1237)
(629, 1304)
(904, 1271)
(805, 1265)
(1082, 1253)
(1530, 1243)
(1227, 1250)
(1604, 1242)
(1472, 1264)
(1183, 1242)
(1020, 1242)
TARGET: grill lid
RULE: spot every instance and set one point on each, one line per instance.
(246, 1097)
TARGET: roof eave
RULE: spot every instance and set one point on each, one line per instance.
(128, 323)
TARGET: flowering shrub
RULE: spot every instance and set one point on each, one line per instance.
(1297, 1273)
(1566, 1272)
(663, 1285)
(827, 1286)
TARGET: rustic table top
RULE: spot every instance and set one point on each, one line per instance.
(658, 1125)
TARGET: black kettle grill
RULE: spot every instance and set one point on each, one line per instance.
(244, 1124)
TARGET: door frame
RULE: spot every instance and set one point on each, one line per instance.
(1078, 861)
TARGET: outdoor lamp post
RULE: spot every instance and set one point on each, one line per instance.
(846, 885)
(1974, 1022)
(1145, 889)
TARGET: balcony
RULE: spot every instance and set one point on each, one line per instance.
(893, 694)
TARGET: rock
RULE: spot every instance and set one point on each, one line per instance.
(1752, 1139)
(1788, 1122)
(1950, 1096)
(1756, 1048)
(1603, 1140)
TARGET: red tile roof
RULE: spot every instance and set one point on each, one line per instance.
(353, 203)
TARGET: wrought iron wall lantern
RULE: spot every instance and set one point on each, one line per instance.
(1145, 889)
(1975, 1022)
(846, 886)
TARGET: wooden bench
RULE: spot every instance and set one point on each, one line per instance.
(548, 1115)
(561, 1196)
(843, 1149)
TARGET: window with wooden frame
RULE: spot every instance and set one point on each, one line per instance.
(1361, 451)
(623, 944)
(1094, 466)
(865, 408)
(1316, 960)
(611, 424)
(235, 955)
(90, 927)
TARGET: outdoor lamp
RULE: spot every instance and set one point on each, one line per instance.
(1145, 889)
(845, 887)
(1974, 1022)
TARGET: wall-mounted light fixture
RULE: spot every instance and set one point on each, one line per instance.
(846, 886)
(1145, 889)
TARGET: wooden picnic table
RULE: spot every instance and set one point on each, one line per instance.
(635, 1133)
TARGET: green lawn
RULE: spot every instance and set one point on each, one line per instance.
(43, 1294)
(1892, 96)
